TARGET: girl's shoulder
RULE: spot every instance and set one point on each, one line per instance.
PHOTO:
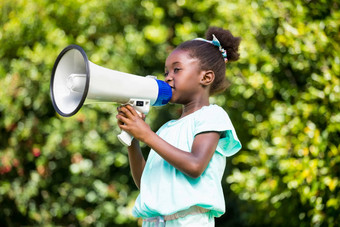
(213, 118)
(211, 113)
(212, 110)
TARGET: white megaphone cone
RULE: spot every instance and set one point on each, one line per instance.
(76, 81)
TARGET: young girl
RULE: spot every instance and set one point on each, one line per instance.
(180, 184)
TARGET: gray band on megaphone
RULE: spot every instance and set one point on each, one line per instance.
(80, 101)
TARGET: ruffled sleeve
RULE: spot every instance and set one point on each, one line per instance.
(215, 119)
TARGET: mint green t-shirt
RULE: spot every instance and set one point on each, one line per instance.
(165, 190)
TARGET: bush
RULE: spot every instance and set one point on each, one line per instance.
(284, 102)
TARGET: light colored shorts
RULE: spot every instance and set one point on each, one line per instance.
(190, 220)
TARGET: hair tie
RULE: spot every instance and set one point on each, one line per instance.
(217, 43)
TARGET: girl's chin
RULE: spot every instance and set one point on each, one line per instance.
(172, 100)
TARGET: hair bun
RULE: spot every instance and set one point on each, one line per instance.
(227, 41)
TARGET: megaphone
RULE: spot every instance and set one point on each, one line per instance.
(76, 81)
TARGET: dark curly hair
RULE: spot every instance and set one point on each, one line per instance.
(211, 58)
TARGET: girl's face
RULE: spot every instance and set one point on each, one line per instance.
(183, 74)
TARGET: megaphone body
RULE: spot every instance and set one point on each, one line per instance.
(76, 81)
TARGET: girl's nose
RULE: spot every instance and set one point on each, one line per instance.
(168, 78)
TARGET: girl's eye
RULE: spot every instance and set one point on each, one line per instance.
(166, 74)
(176, 70)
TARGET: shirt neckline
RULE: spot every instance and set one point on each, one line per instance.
(175, 121)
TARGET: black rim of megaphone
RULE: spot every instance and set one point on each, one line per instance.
(87, 83)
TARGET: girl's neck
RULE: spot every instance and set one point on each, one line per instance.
(191, 107)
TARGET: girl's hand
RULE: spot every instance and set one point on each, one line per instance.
(130, 121)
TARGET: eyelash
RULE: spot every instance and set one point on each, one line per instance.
(175, 71)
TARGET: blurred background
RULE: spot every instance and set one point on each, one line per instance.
(283, 99)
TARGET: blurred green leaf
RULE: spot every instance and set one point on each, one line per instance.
(283, 100)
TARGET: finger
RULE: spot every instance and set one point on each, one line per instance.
(122, 119)
(121, 114)
(119, 121)
(124, 128)
(132, 110)
(121, 124)
(119, 110)
(126, 111)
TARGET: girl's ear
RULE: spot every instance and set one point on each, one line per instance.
(207, 78)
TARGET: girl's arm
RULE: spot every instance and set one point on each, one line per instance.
(136, 159)
(190, 163)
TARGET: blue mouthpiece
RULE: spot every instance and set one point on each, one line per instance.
(164, 93)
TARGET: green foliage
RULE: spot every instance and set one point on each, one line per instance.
(284, 102)
(291, 98)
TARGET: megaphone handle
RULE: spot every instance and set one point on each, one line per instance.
(125, 138)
